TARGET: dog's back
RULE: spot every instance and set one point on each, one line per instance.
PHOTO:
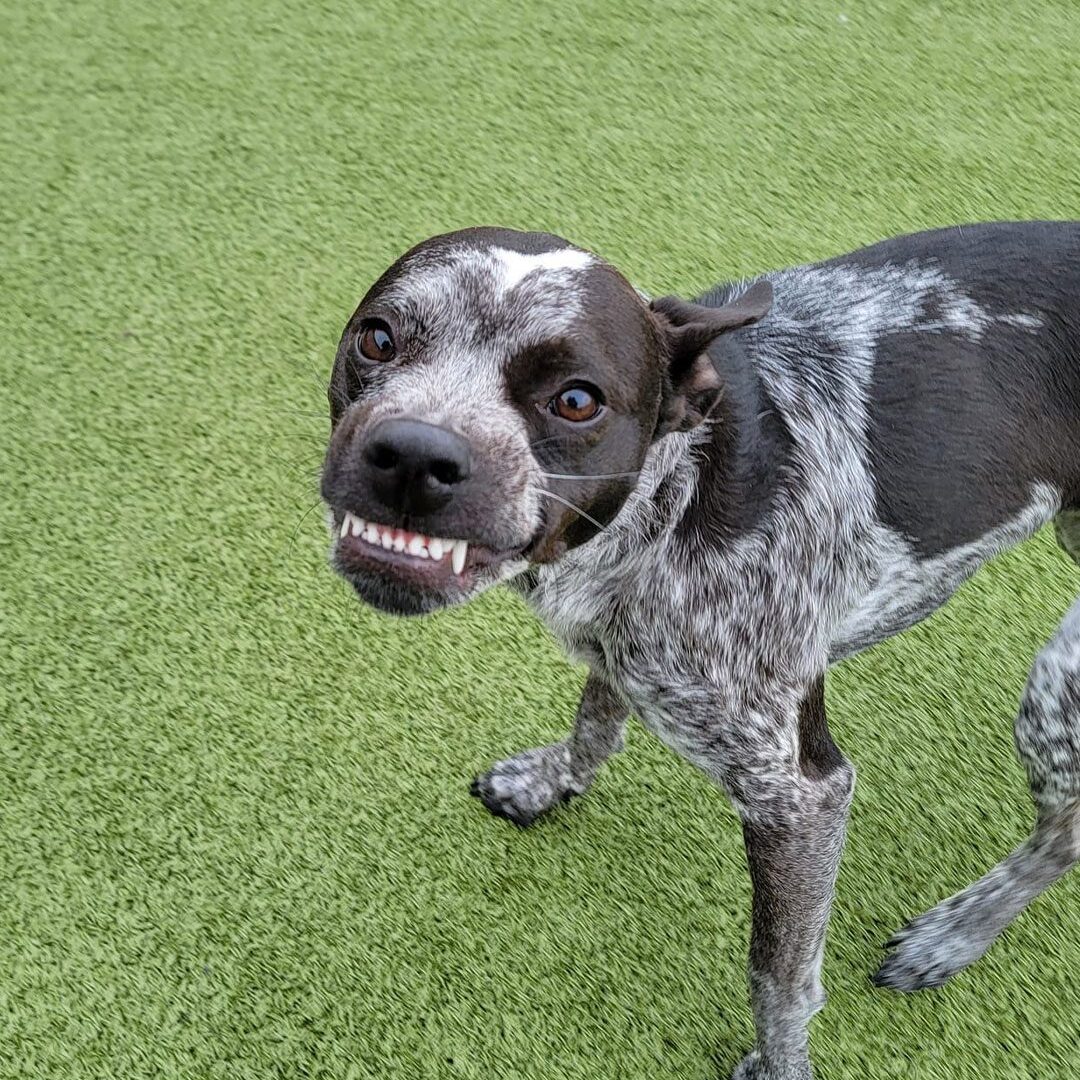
(944, 368)
(979, 397)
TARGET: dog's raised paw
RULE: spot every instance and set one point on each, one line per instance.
(932, 948)
(527, 785)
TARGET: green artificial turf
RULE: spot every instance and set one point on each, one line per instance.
(235, 835)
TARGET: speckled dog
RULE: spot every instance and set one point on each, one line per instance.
(711, 502)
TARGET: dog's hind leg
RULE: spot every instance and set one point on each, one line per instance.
(959, 930)
(527, 785)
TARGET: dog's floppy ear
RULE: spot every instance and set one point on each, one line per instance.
(687, 331)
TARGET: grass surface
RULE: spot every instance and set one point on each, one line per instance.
(235, 839)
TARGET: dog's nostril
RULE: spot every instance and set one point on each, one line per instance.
(415, 467)
(382, 456)
(446, 472)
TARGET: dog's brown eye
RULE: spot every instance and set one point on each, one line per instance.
(575, 403)
(375, 343)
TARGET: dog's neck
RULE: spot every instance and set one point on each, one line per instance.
(713, 482)
(716, 481)
(746, 442)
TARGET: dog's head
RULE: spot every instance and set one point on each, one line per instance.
(492, 401)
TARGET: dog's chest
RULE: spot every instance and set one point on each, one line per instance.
(613, 615)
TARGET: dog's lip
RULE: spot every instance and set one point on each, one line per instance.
(421, 559)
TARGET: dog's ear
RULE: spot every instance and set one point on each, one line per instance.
(687, 330)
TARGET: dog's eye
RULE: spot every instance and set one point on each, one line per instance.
(375, 343)
(576, 403)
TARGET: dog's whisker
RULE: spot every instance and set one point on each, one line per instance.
(290, 414)
(294, 463)
(296, 529)
(298, 412)
(316, 437)
(328, 389)
(577, 509)
(587, 476)
(549, 439)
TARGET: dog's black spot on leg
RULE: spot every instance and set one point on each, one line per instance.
(818, 754)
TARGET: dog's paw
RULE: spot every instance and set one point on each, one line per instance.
(523, 787)
(933, 948)
(754, 1068)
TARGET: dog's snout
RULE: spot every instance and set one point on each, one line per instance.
(415, 466)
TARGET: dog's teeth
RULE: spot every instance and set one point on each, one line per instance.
(415, 544)
(458, 555)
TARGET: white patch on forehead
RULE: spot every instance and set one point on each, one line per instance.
(467, 284)
(516, 266)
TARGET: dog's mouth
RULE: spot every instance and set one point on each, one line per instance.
(415, 547)
(432, 563)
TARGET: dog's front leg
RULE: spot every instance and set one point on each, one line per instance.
(794, 814)
(523, 787)
(792, 788)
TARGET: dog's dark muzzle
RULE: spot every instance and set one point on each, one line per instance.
(403, 471)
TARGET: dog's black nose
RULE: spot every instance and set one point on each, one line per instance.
(414, 467)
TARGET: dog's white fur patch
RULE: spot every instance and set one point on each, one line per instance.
(517, 266)
(908, 588)
(893, 298)
(1028, 322)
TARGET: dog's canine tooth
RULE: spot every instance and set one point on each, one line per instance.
(460, 548)
(346, 523)
(435, 548)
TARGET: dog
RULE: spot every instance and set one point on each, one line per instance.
(709, 502)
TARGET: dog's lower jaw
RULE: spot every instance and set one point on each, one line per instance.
(394, 598)
(385, 581)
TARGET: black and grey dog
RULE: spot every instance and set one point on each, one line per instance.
(711, 502)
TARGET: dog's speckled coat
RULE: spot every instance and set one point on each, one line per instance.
(828, 476)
